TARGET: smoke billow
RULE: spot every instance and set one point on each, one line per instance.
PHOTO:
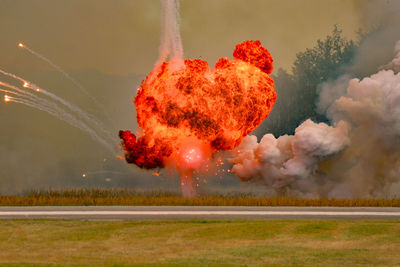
(290, 161)
(372, 106)
(395, 63)
(359, 156)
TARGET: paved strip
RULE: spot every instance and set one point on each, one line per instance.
(222, 212)
(195, 212)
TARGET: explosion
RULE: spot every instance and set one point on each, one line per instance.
(188, 112)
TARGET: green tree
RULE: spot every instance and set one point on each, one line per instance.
(298, 91)
(319, 64)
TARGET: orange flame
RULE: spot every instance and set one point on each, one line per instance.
(188, 114)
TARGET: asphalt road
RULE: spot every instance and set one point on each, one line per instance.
(194, 212)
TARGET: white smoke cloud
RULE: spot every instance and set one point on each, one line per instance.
(289, 160)
(359, 156)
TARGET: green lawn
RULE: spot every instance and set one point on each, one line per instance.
(200, 243)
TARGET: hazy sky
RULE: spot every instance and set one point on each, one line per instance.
(122, 36)
(109, 45)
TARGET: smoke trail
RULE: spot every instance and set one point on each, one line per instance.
(48, 61)
(359, 156)
(171, 42)
(10, 92)
(66, 117)
(65, 74)
(75, 119)
(34, 98)
(79, 112)
(24, 93)
(13, 76)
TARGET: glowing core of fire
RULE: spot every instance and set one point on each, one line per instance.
(187, 114)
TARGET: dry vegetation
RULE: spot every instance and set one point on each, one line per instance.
(131, 197)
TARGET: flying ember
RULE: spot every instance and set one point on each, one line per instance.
(188, 113)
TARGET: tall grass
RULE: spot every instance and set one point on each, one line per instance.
(99, 197)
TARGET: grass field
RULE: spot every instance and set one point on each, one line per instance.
(200, 243)
(130, 197)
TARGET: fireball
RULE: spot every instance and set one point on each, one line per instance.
(186, 114)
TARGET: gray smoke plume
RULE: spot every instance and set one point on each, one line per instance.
(395, 63)
(358, 156)
(171, 41)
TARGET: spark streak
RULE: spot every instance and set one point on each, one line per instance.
(73, 115)
(66, 75)
(66, 117)
(59, 69)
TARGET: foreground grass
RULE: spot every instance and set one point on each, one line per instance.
(200, 243)
(130, 197)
